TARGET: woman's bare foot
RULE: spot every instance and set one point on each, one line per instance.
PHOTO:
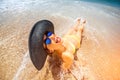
(77, 24)
(82, 25)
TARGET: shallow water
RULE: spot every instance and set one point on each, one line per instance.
(100, 45)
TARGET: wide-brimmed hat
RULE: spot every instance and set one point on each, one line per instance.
(37, 52)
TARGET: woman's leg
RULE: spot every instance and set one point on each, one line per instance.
(74, 28)
(80, 30)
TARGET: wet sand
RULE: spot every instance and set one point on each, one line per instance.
(98, 56)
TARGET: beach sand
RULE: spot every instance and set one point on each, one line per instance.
(99, 53)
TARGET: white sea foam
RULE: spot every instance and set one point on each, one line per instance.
(22, 65)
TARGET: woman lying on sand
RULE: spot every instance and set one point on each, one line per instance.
(50, 43)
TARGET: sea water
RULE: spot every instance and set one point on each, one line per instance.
(101, 40)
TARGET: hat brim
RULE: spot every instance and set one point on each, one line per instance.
(37, 52)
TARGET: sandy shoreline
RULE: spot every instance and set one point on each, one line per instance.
(12, 50)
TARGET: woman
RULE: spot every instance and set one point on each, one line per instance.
(64, 47)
